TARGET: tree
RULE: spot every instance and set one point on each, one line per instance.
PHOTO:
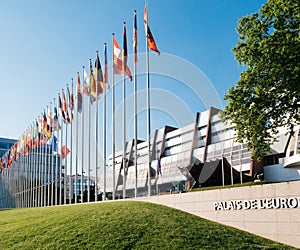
(267, 94)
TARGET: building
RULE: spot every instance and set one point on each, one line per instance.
(5, 145)
(35, 178)
(80, 185)
(203, 153)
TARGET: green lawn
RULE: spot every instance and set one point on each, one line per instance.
(119, 225)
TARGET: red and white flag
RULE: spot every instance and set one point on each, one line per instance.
(118, 63)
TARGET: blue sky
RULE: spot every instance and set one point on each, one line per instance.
(44, 44)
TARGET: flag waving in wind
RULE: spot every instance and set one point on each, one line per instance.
(124, 52)
(118, 64)
(93, 93)
(98, 75)
(135, 38)
(105, 66)
(79, 95)
(150, 38)
(86, 86)
(64, 152)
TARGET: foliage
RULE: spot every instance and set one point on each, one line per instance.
(267, 95)
(119, 225)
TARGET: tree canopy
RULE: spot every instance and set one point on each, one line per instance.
(267, 95)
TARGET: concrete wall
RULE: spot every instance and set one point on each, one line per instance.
(271, 211)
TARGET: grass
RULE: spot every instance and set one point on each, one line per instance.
(119, 225)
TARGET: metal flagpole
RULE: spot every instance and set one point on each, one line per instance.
(148, 109)
(45, 167)
(49, 156)
(104, 124)
(124, 112)
(42, 171)
(135, 105)
(38, 179)
(66, 160)
(32, 167)
(46, 174)
(96, 124)
(113, 123)
(76, 158)
(82, 139)
(35, 165)
(22, 174)
(25, 175)
(60, 162)
(52, 157)
(71, 143)
(25, 178)
(56, 159)
(89, 143)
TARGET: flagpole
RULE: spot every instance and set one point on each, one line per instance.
(89, 143)
(42, 170)
(60, 161)
(71, 144)
(148, 110)
(82, 139)
(29, 167)
(76, 158)
(135, 106)
(66, 160)
(96, 124)
(36, 163)
(52, 157)
(26, 177)
(56, 158)
(113, 123)
(38, 191)
(104, 126)
(124, 113)
(25, 174)
(34, 179)
(48, 164)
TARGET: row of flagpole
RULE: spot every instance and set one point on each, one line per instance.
(51, 189)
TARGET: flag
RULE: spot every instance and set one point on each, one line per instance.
(37, 139)
(65, 113)
(59, 104)
(61, 111)
(118, 61)
(93, 94)
(64, 152)
(60, 108)
(55, 125)
(45, 122)
(86, 86)
(64, 103)
(105, 66)
(98, 75)
(79, 95)
(135, 38)
(71, 104)
(49, 123)
(124, 54)
(150, 38)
